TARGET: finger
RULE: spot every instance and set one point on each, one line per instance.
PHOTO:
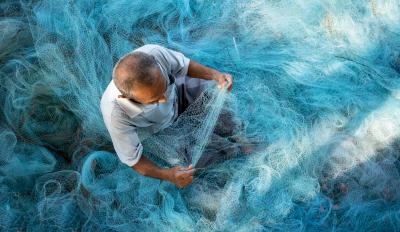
(227, 79)
(190, 172)
(230, 82)
(230, 86)
(230, 79)
(220, 84)
(186, 173)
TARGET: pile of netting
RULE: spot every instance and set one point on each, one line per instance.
(316, 82)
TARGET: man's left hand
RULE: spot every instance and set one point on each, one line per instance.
(224, 80)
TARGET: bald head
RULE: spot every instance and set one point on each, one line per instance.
(134, 70)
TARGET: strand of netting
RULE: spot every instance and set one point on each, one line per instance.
(208, 125)
(316, 85)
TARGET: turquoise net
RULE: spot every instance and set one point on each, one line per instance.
(317, 83)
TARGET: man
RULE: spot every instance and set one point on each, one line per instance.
(150, 87)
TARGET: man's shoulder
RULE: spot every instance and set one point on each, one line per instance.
(151, 48)
(107, 99)
(107, 103)
(160, 53)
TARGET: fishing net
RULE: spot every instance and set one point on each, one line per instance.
(316, 85)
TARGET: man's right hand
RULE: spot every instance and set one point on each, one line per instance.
(181, 176)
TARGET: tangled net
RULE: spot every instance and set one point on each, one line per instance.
(318, 81)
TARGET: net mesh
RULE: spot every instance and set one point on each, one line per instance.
(316, 82)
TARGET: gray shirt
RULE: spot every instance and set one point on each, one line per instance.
(126, 121)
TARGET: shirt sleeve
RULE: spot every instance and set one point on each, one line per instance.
(172, 61)
(125, 140)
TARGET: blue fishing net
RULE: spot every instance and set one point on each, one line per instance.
(316, 84)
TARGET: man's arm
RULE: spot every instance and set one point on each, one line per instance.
(198, 70)
(180, 176)
(129, 148)
(179, 65)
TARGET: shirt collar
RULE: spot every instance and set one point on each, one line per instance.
(130, 108)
